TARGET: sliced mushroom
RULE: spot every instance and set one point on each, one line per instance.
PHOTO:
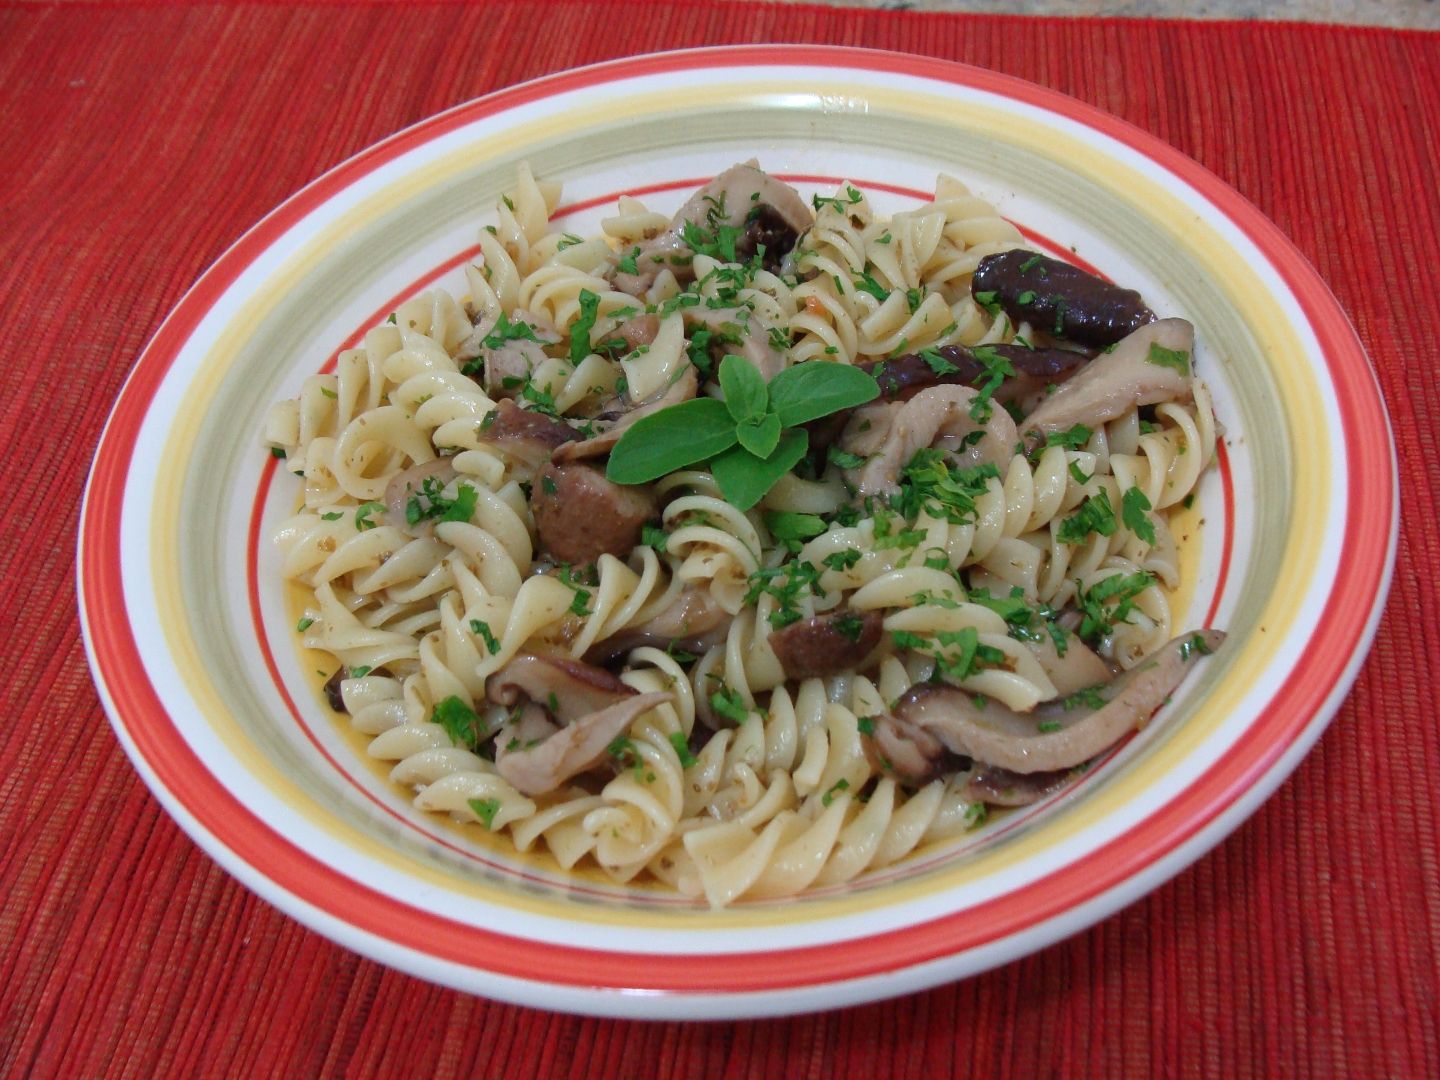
(568, 688)
(526, 437)
(904, 749)
(528, 726)
(410, 484)
(997, 736)
(693, 622)
(1001, 787)
(622, 416)
(939, 416)
(826, 644)
(902, 377)
(1150, 366)
(1060, 299)
(574, 749)
(770, 212)
(580, 515)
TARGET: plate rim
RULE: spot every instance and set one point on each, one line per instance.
(1198, 830)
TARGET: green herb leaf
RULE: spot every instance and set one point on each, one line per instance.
(460, 722)
(729, 704)
(671, 439)
(1073, 439)
(786, 525)
(652, 536)
(818, 388)
(835, 789)
(866, 283)
(744, 478)
(682, 749)
(462, 508)
(277, 452)
(580, 331)
(761, 436)
(485, 810)
(504, 330)
(1124, 588)
(482, 631)
(1133, 507)
(1095, 515)
(363, 512)
(304, 624)
(937, 363)
(1088, 697)
(745, 394)
(1178, 359)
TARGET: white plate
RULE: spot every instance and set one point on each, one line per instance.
(192, 643)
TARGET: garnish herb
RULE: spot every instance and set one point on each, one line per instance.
(1095, 515)
(483, 632)
(1133, 507)
(682, 749)
(1087, 698)
(729, 704)
(363, 512)
(1098, 619)
(485, 810)
(1176, 359)
(580, 330)
(460, 721)
(835, 789)
(1073, 439)
(652, 536)
(304, 624)
(752, 438)
(1194, 646)
(505, 330)
(791, 528)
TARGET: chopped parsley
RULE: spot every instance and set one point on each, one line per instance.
(1175, 359)
(682, 749)
(432, 502)
(485, 810)
(483, 632)
(729, 704)
(1123, 589)
(1073, 439)
(842, 560)
(304, 624)
(1087, 698)
(849, 625)
(835, 789)
(460, 721)
(652, 536)
(866, 283)
(852, 197)
(580, 330)
(363, 512)
(505, 330)
(1133, 507)
(787, 583)
(1095, 515)
(1194, 646)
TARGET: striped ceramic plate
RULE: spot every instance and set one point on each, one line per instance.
(191, 634)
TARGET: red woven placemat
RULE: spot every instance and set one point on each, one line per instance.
(137, 142)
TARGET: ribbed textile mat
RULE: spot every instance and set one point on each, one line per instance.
(136, 142)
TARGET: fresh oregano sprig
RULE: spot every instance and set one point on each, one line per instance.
(751, 438)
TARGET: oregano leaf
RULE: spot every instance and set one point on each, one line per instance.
(671, 439)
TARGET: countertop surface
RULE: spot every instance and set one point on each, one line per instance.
(140, 141)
